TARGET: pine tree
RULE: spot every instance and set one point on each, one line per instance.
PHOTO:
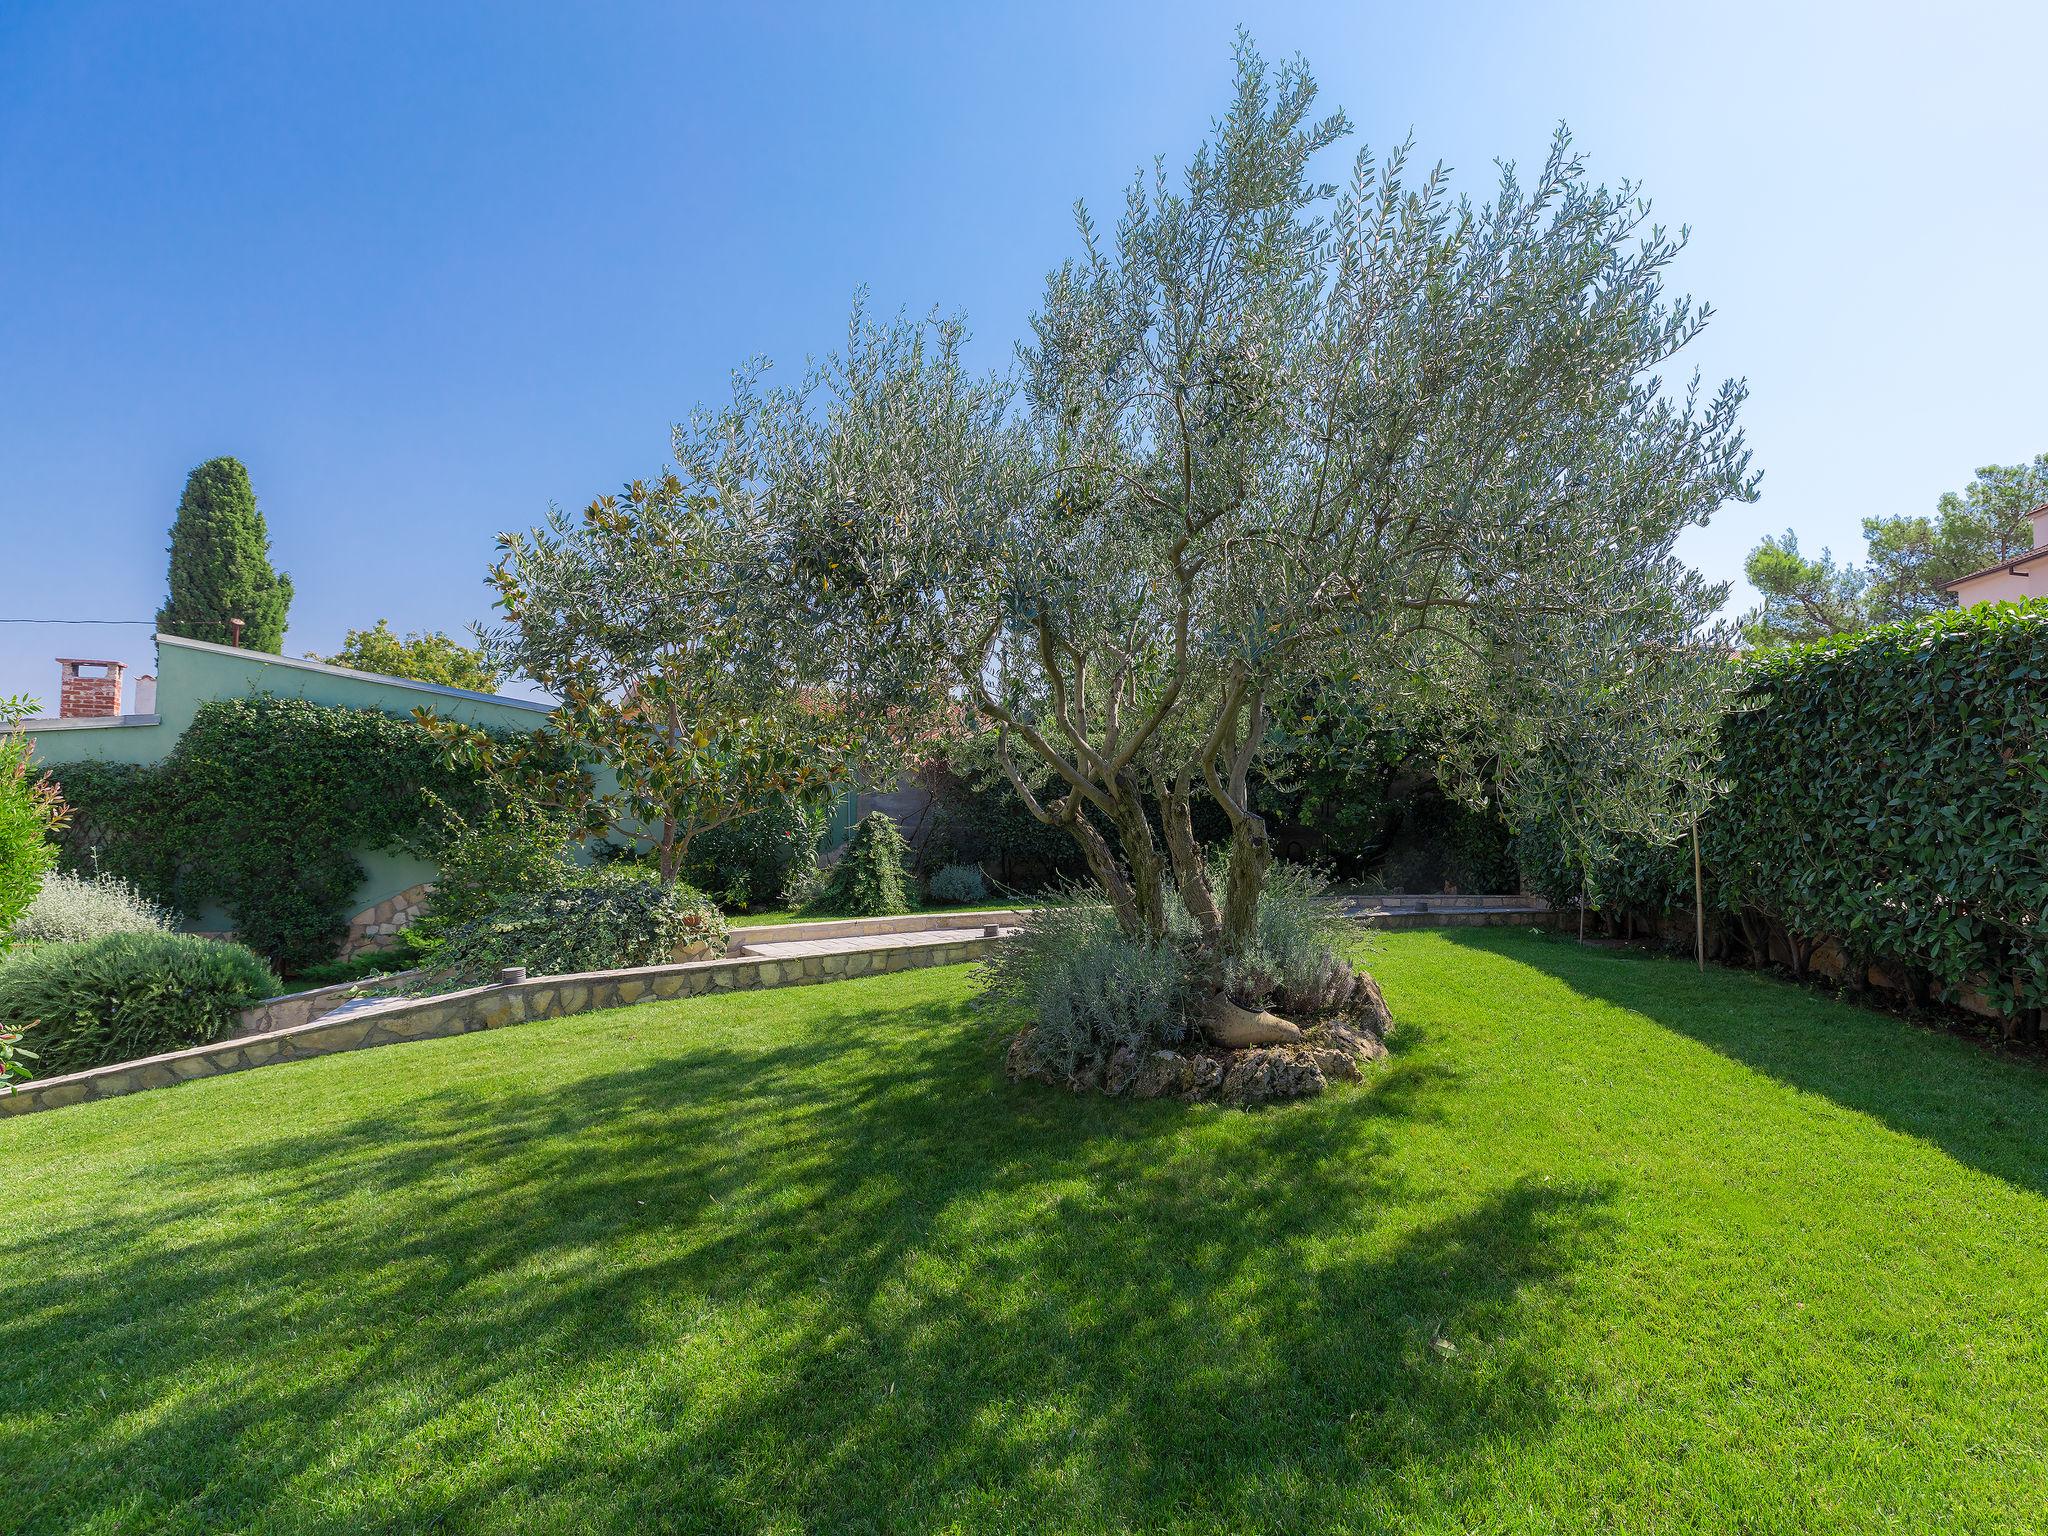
(220, 563)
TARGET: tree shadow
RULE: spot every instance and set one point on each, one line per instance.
(841, 1281)
(1988, 1112)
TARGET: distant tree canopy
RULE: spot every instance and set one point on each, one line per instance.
(1910, 560)
(432, 657)
(220, 564)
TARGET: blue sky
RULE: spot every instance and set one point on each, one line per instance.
(428, 268)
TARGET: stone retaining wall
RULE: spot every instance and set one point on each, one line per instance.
(294, 1008)
(458, 1013)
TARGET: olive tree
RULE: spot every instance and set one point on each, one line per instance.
(1269, 440)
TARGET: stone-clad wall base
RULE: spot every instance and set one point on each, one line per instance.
(377, 927)
(457, 1013)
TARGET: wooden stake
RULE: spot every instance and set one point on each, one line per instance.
(1699, 899)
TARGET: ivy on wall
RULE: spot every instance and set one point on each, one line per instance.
(264, 808)
(1888, 794)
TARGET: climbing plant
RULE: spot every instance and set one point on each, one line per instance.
(264, 808)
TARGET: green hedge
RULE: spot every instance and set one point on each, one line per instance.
(1887, 793)
(759, 860)
(262, 808)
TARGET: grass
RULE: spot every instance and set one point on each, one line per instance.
(1606, 1246)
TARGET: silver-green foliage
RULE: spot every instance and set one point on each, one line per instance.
(1088, 987)
(1297, 942)
(72, 907)
(958, 884)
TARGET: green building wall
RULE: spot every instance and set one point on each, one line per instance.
(195, 672)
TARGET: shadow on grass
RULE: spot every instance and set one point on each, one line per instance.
(1987, 1112)
(834, 1282)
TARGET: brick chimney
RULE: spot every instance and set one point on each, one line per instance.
(89, 690)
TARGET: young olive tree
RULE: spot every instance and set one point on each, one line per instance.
(1270, 440)
(648, 619)
(1634, 768)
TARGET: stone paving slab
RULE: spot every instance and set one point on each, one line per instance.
(972, 918)
(785, 949)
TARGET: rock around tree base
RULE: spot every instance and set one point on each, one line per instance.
(1255, 1075)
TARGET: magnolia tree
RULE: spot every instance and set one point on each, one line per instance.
(1271, 440)
(650, 618)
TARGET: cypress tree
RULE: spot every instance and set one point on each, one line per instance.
(220, 563)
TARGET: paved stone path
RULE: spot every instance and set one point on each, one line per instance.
(852, 943)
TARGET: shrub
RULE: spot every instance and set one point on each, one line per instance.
(957, 884)
(126, 995)
(759, 860)
(488, 859)
(1299, 940)
(869, 879)
(1088, 989)
(71, 908)
(368, 966)
(600, 920)
(30, 810)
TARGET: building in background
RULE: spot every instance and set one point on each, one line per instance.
(2009, 581)
(91, 724)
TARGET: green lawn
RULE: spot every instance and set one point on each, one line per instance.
(1606, 1246)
